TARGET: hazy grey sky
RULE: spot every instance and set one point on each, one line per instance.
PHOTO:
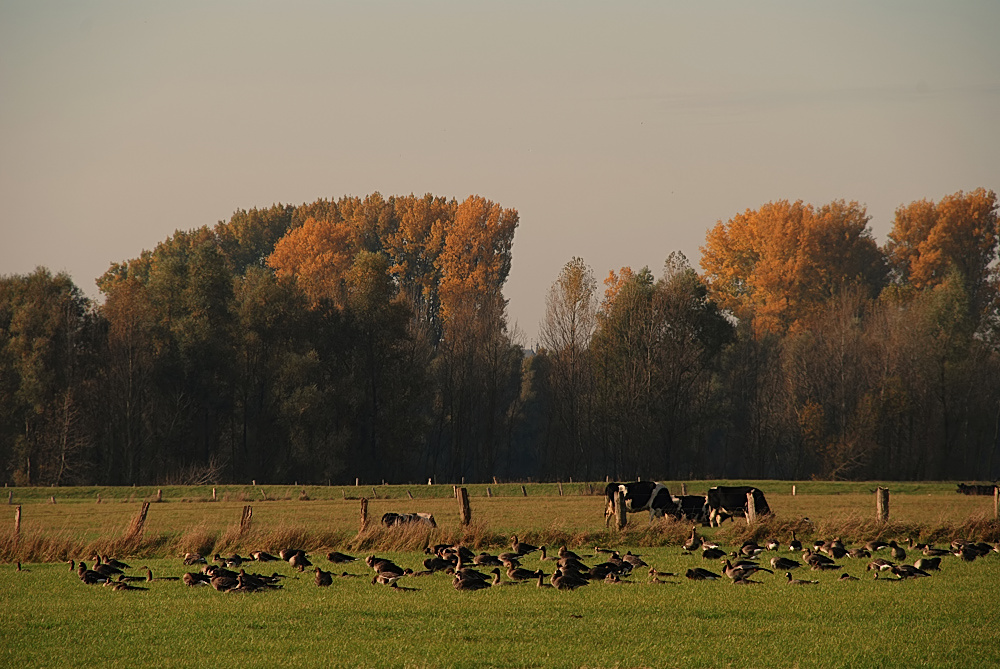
(620, 131)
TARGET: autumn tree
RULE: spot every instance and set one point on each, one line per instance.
(781, 263)
(317, 256)
(929, 241)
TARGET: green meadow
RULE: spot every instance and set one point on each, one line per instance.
(51, 619)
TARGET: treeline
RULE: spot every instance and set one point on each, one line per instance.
(369, 338)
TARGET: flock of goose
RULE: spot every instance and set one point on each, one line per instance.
(567, 571)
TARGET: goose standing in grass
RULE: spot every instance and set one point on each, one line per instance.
(693, 542)
(897, 551)
(794, 545)
(520, 573)
(323, 578)
(546, 557)
(106, 569)
(541, 580)
(742, 570)
(798, 581)
(299, 561)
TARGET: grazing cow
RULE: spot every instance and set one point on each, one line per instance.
(641, 496)
(393, 519)
(691, 507)
(975, 489)
(729, 501)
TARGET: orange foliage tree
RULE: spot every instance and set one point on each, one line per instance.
(780, 264)
(318, 256)
(929, 241)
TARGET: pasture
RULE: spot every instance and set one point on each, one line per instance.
(52, 619)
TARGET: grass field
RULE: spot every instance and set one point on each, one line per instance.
(52, 619)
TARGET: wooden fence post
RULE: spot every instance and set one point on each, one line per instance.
(882, 504)
(996, 502)
(793, 491)
(620, 519)
(364, 513)
(214, 498)
(751, 509)
(464, 512)
(489, 492)
(524, 491)
(684, 488)
(560, 489)
(17, 521)
(159, 494)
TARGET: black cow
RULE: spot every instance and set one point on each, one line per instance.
(975, 489)
(392, 519)
(641, 496)
(730, 501)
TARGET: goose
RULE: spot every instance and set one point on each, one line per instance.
(878, 564)
(195, 578)
(653, 573)
(816, 559)
(150, 579)
(122, 585)
(713, 553)
(460, 583)
(931, 551)
(561, 581)
(436, 564)
(191, 559)
(708, 544)
(117, 564)
(573, 563)
(487, 560)
(382, 564)
(908, 571)
(614, 579)
(300, 561)
(287, 553)
(106, 569)
(875, 545)
(699, 574)
(751, 549)
(607, 551)
(741, 571)
(798, 581)
(386, 578)
(771, 544)
(89, 576)
(323, 578)
(794, 545)
(263, 556)
(520, 547)
(496, 578)
(928, 563)
(634, 560)
(567, 553)
(520, 574)
(512, 558)
(225, 582)
(339, 558)
(884, 580)
(72, 565)
(897, 551)
(859, 553)
(694, 541)
(541, 580)
(545, 557)
(847, 577)
(785, 564)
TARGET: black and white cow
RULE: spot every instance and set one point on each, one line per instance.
(730, 501)
(640, 496)
(691, 507)
(392, 519)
